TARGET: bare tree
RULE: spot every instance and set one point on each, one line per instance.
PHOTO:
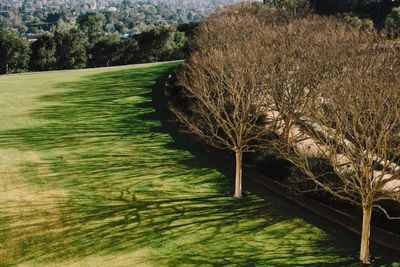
(363, 108)
(226, 88)
(351, 119)
(307, 52)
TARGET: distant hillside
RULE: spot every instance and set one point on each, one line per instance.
(31, 16)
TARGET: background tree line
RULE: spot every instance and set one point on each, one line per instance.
(87, 45)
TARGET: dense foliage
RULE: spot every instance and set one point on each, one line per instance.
(14, 52)
(88, 46)
(43, 55)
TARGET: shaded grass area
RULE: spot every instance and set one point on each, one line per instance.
(94, 179)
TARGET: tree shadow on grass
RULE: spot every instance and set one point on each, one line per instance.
(111, 180)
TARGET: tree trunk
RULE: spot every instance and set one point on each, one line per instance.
(238, 176)
(365, 234)
(286, 130)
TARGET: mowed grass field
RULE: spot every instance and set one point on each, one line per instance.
(89, 177)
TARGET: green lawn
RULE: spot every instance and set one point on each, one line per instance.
(89, 177)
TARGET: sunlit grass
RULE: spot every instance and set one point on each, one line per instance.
(89, 177)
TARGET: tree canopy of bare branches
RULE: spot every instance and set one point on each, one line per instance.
(226, 89)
